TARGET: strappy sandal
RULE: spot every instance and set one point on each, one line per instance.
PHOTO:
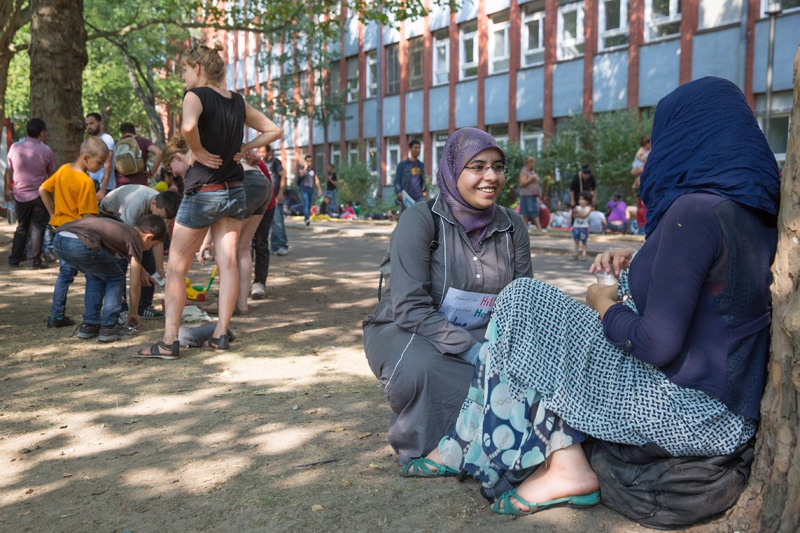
(424, 467)
(505, 506)
(218, 343)
(155, 351)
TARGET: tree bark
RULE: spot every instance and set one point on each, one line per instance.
(771, 501)
(58, 57)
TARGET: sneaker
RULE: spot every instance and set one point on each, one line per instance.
(37, 265)
(88, 331)
(282, 251)
(61, 322)
(258, 291)
(115, 333)
(308, 222)
(148, 313)
(123, 318)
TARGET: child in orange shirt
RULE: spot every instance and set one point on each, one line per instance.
(69, 195)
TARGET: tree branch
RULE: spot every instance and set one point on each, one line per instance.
(247, 27)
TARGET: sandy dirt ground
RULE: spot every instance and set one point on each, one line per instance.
(286, 432)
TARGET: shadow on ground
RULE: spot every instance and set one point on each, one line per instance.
(284, 432)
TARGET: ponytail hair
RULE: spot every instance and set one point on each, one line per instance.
(176, 145)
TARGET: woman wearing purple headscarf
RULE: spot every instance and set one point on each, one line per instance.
(422, 340)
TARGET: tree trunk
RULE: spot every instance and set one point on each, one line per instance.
(771, 501)
(58, 57)
(5, 61)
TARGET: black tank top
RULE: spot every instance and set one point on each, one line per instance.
(221, 129)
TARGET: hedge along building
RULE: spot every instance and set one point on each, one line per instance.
(517, 68)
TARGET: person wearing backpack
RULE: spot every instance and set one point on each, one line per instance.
(449, 257)
(670, 361)
(132, 152)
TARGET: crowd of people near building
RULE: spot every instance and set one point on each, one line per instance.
(488, 372)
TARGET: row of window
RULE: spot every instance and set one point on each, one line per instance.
(662, 19)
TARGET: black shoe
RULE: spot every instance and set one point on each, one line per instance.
(88, 331)
(37, 265)
(115, 333)
(148, 313)
(62, 322)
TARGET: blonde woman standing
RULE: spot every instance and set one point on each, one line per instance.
(213, 126)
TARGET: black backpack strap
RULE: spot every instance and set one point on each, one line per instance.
(433, 246)
(435, 242)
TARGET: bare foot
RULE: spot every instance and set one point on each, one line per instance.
(567, 474)
(434, 456)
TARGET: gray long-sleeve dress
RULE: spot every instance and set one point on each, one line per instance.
(411, 347)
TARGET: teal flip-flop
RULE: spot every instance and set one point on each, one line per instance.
(504, 506)
(424, 467)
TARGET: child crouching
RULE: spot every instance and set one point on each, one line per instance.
(101, 248)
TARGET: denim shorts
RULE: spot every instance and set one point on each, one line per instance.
(529, 206)
(580, 234)
(258, 191)
(200, 210)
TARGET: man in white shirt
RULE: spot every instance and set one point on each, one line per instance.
(106, 178)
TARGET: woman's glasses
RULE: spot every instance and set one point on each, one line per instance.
(480, 170)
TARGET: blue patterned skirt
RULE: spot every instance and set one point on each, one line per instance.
(548, 377)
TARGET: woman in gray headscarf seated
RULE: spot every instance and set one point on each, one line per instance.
(422, 341)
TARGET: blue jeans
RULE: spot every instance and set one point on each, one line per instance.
(308, 197)
(47, 245)
(277, 232)
(66, 275)
(105, 279)
(332, 195)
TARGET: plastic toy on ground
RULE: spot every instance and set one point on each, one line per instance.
(197, 293)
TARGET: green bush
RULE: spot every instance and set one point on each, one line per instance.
(356, 184)
(607, 142)
(616, 140)
(515, 159)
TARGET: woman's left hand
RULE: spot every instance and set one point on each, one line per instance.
(207, 159)
(204, 254)
(601, 297)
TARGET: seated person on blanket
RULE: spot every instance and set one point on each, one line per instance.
(101, 248)
(675, 354)
(422, 340)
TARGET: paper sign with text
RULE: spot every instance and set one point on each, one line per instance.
(468, 310)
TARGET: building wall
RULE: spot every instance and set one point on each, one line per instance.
(725, 38)
(610, 81)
